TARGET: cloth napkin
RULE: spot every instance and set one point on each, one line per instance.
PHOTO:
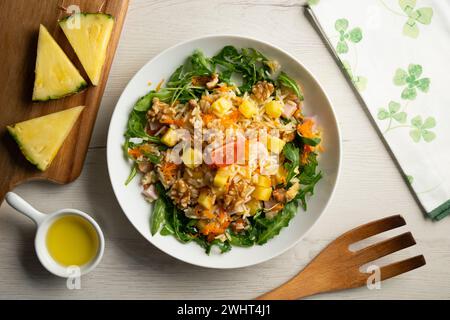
(397, 55)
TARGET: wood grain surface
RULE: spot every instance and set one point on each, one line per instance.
(19, 26)
(370, 186)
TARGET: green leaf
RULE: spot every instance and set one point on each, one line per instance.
(145, 102)
(424, 15)
(355, 35)
(429, 123)
(292, 153)
(383, 114)
(409, 93)
(311, 141)
(407, 5)
(400, 117)
(428, 136)
(341, 25)
(132, 175)
(423, 84)
(415, 135)
(415, 70)
(394, 107)
(411, 29)
(288, 82)
(417, 122)
(158, 215)
(342, 47)
(272, 227)
(400, 77)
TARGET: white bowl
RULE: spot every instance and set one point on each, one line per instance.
(138, 210)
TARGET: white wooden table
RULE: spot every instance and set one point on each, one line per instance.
(370, 186)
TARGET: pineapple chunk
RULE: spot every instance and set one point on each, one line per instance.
(40, 138)
(274, 108)
(248, 108)
(192, 158)
(264, 181)
(262, 193)
(254, 205)
(221, 177)
(275, 144)
(89, 40)
(280, 176)
(170, 138)
(206, 199)
(221, 106)
(56, 76)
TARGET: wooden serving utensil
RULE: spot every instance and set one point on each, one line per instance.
(337, 268)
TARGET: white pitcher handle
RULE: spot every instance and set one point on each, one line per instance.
(24, 207)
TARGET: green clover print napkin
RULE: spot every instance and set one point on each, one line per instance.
(397, 55)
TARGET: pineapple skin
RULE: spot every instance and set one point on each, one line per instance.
(95, 78)
(83, 85)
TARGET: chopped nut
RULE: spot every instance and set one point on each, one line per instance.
(213, 82)
(262, 90)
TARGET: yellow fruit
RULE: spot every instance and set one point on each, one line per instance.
(206, 199)
(275, 144)
(274, 108)
(170, 138)
(264, 181)
(55, 75)
(248, 108)
(281, 174)
(192, 158)
(221, 106)
(262, 193)
(221, 178)
(40, 138)
(89, 40)
(254, 205)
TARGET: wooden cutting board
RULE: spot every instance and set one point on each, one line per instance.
(19, 27)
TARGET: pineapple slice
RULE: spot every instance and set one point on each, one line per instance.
(89, 40)
(40, 138)
(56, 76)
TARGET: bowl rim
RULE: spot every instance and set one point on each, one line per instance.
(333, 113)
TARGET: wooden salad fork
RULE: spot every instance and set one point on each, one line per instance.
(337, 268)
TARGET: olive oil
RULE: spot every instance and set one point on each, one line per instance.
(72, 240)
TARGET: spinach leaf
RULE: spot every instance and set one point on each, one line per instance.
(288, 82)
(158, 216)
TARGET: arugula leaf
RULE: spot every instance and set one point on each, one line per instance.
(272, 227)
(310, 141)
(136, 127)
(292, 153)
(144, 103)
(288, 82)
(158, 215)
(132, 175)
(245, 239)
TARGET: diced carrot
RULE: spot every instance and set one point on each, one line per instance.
(208, 117)
(169, 169)
(306, 128)
(178, 122)
(135, 153)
